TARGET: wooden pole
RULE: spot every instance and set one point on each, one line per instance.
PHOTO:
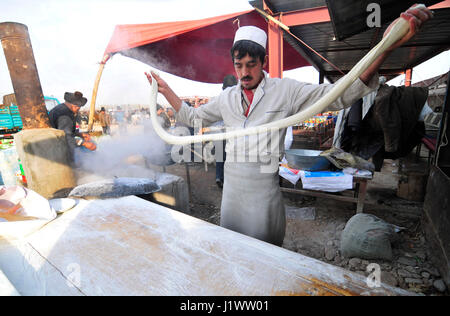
(94, 93)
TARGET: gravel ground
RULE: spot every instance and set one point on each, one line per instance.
(314, 227)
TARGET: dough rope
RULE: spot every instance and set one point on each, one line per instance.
(399, 29)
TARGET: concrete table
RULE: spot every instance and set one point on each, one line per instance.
(6, 288)
(130, 246)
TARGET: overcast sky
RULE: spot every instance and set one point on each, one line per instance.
(70, 36)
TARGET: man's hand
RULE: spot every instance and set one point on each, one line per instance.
(86, 137)
(163, 87)
(166, 91)
(90, 146)
(417, 15)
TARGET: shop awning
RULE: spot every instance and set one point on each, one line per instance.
(198, 50)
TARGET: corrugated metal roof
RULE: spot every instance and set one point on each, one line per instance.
(349, 17)
(278, 6)
(432, 40)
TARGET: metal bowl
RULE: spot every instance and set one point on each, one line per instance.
(308, 160)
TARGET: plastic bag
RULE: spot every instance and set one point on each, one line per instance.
(292, 175)
(342, 160)
(326, 181)
(366, 236)
(22, 211)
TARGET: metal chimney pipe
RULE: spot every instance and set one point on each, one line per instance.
(24, 75)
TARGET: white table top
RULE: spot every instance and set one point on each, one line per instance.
(130, 246)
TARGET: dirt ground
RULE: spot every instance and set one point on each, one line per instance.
(315, 225)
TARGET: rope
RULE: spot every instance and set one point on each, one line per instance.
(286, 28)
(309, 47)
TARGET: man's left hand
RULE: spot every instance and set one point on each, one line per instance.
(86, 137)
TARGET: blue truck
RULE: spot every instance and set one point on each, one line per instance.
(10, 120)
(11, 171)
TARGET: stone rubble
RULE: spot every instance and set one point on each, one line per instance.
(411, 268)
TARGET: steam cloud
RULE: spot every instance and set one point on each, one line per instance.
(113, 153)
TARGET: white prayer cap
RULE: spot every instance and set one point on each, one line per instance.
(251, 33)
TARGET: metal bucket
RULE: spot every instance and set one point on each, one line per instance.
(308, 160)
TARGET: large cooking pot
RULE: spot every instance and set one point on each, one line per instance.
(307, 160)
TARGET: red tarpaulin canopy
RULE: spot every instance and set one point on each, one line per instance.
(198, 50)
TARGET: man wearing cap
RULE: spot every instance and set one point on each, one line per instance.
(163, 117)
(63, 117)
(252, 202)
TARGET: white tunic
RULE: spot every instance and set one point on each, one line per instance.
(249, 206)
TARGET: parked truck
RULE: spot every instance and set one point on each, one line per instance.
(10, 121)
(11, 171)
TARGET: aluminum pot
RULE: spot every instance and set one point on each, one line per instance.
(307, 160)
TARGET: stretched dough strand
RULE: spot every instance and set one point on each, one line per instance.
(399, 29)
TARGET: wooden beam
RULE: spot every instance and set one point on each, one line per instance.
(308, 16)
(320, 194)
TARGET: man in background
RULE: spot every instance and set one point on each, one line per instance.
(105, 121)
(228, 81)
(163, 117)
(119, 116)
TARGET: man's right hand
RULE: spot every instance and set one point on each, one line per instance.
(163, 87)
(165, 90)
